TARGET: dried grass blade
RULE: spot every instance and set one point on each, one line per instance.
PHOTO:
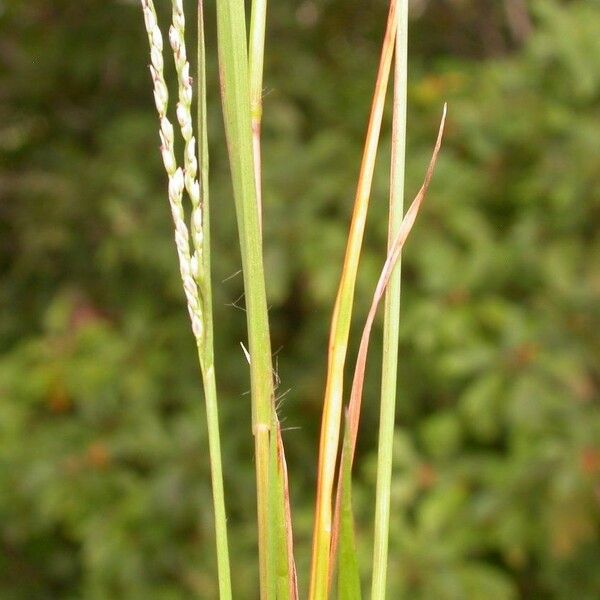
(287, 513)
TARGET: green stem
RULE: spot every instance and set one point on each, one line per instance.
(206, 349)
(391, 315)
(280, 562)
(216, 471)
(233, 61)
(258, 19)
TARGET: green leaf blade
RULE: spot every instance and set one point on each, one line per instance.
(348, 571)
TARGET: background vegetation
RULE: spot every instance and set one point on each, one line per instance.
(104, 484)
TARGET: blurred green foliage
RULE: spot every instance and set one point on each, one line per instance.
(104, 486)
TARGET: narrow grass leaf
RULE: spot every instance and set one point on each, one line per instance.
(282, 571)
(348, 572)
(275, 525)
(287, 516)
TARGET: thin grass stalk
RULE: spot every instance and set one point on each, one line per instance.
(216, 472)
(233, 62)
(256, 49)
(340, 328)
(194, 269)
(391, 323)
(212, 415)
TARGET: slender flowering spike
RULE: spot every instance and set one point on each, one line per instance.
(184, 117)
(177, 179)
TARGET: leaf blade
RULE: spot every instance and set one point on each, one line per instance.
(348, 571)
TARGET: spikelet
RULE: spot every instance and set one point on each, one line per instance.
(177, 180)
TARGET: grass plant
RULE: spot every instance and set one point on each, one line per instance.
(241, 60)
